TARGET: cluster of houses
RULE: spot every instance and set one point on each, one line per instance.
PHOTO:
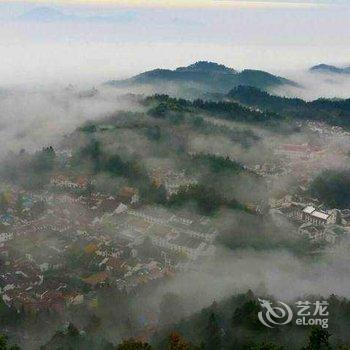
(315, 223)
(326, 130)
(301, 162)
(172, 180)
(187, 238)
(15, 203)
(67, 182)
(299, 151)
(71, 236)
(66, 248)
(304, 159)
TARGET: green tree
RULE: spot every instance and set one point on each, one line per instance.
(72, 331)
(92, 152)
(333, 188)
(318, 339)
(154, 133)
(213, 333)
(206, 198)
(4, 203)
(4, 344)
(19, 205)
(44, 161)
(246, 316)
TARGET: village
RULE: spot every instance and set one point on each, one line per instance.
(61, 245)
(320, 225)
(317, 224)
(57, 248)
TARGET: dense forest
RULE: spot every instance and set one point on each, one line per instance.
(332, 187)
(230, 324)
(332, 111)
(128, 150)
(204, 76)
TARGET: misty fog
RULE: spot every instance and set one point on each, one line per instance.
(52, 82)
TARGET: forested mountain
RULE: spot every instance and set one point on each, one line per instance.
(332, 187)
(234, 324)
(208, 76)
(45, 14)
(163, 106)
(333, 111)
(230, 324)
(326, 68)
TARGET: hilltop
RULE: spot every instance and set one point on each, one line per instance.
(204, 76)
(329, 69)
(45, 14)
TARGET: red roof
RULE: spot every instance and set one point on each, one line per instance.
(299, 148)
(295, 148)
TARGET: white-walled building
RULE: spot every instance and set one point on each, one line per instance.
(5, 236)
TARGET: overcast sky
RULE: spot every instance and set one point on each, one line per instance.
(97, 40)
(182, 3)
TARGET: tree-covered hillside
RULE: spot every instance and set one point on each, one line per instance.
(234, 324)
(230, 324)
(332, 187)
(332, 111)
(206, 76)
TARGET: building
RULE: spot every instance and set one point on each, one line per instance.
(312, 215)
(172, 180)
(304, 151)
(317, 217)
(4, 237)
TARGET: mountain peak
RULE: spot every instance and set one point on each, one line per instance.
(43, 13)
(326, 68)
(204, 76)
(206, 66)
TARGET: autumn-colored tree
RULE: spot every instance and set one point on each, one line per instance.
(176, 342)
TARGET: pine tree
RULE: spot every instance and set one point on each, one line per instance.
(4, 344)
(318, 339)
(213, 333)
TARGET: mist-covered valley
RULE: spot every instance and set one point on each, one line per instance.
(118, 202)
(169, 175)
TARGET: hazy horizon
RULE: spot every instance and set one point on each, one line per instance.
(102, 42)
(128, 207)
